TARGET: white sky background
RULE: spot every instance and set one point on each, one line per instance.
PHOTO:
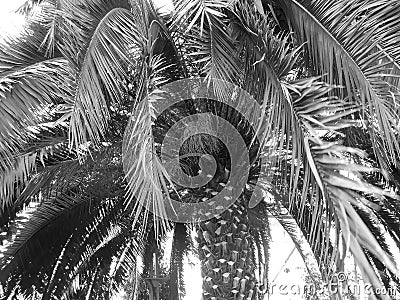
(9, 21)
(281, 247)
(165, 5)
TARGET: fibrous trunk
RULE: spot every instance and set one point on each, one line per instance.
(226, 255)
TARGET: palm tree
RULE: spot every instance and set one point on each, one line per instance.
(324, 76)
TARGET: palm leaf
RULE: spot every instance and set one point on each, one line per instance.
(331, 184)
(100, 54)
(210, 37)
(48, 146)
(67, 206)
(23, 50)
(69, 174)
(348, 41)
(103, 239)
(146, 176)
(28, 97)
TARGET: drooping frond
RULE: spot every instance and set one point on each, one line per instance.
(89, 199)
(29, 179)
(288, 137)
(107, 239)
(352, 42)
(289, 224)
(44, 215)
(144, 170)
(22, 50)
(100, 51)
(146, 176)
(27, 100)
(31, 86)
(101, 235)
(331, 184)
(52, 173)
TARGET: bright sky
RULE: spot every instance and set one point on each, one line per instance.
(10, 21)
(165, 5)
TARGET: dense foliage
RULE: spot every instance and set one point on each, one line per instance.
(325, 74)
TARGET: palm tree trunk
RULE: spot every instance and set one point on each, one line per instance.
(180, 245)
(226, 255)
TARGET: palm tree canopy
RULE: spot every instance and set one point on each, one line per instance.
(80, 137)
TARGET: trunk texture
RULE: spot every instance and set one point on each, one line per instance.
(227, 256)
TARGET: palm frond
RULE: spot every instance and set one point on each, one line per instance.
(331, 183)
(15, 177)
(144, 170)
(374, 222)
(101, 235)
(268, 58)
(28, 98)
(93, 214)
(50, 11)
(27, 7)
(16, 55)
(210, 37)
(49, 145)
(103, 241)
(54, 178)
(146, 176)
(100, 55)
(351, 42)
(20, 247)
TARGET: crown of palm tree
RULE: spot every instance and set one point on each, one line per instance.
(325, 76)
